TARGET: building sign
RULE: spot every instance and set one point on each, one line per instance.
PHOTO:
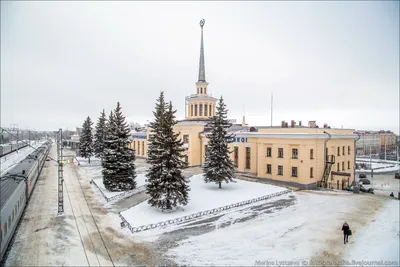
(238, 140)
(139, 137)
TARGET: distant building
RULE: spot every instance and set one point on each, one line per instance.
(291, 154)
(374, 142)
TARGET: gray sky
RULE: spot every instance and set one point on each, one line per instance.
(333, 62)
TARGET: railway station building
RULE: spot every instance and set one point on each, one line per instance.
(293, 154)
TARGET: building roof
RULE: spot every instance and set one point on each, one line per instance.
(201, 97)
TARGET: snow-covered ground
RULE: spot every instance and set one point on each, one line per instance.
(309, 229)
(202, 197)
(380, 239)
(140, 182)
(9, 161)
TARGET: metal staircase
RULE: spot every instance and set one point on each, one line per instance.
(330, 160)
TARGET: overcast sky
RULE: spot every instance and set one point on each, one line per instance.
(334, 62)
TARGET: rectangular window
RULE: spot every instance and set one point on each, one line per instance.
(201, 110)
(205, 149)
(236, 155)
(295, 153)
(343, 151)
(342, 165)
(269, 151)
(210, 110)
(134, 144)
(191, 110)
(348, 165)
(280, 152)
(338, 151)
(280, 170)
(247, 157)
(205, 109)
(142, 147)
(195, 110)
(311, 153)
(294, 171)
(138, 148)
(348, 150)
(311, 172)
(338, 167)
(269, 168)
(186, 139)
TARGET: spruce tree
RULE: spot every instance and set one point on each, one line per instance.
(219, 166)
(99, 136)
(86, 139)
(118, 161)
(165, 184)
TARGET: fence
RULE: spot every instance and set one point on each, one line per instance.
(198, 214)
(123, 194)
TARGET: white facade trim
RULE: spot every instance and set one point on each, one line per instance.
(293, 135)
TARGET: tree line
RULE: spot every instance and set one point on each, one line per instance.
(165, 183)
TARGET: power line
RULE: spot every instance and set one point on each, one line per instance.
(36, 149)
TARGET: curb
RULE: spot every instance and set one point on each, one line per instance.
(123, 194)
(197, 214)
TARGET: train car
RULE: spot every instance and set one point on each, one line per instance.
(16, 187)
(9, 148)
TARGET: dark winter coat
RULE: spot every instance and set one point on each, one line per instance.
(345, 229)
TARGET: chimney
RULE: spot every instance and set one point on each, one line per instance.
(283, 124)
(299, 123)
(292, 123)
(312, 124)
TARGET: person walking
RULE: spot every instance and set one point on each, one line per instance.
(346, 231)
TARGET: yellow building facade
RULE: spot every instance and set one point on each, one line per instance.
(294, 155)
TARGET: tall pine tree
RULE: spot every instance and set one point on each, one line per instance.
(86, 139)
(165, 184)
(99, 136)
(118, 160)
(219, 166)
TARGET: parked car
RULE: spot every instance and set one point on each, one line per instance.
(362, 175)
(365, 181)
(397, 175)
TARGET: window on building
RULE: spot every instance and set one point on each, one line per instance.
(186, 139)
(311, 172)
(201, 110)
(210, 111)
(294, 171)
(205, 109)
(326, 152)
(295, 153)
(348, 150)
(343, 151)
(269, 168)
(142, 147)
(191, 110)
(195, 110)
(205, 149)
(311, 153)
(338, 167)
(247, 157)
(280, 170)
(201, 90)
(348, 165)
(205, 91)
(280, 152)
(138, 148)
(186, 159)
(342, 165)
(338, 151)
(269, 151)
(236, 155)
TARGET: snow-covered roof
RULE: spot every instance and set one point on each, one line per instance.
(291, 135)
(201, 97)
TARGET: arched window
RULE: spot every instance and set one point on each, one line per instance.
(201, 90)
(205, 91)
(197, 90)
(191, 110)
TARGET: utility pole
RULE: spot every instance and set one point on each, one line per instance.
(60, 173)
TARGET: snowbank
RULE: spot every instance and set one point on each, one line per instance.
(83, 162)
(113, 196)
(380, 239)
(202, 197)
